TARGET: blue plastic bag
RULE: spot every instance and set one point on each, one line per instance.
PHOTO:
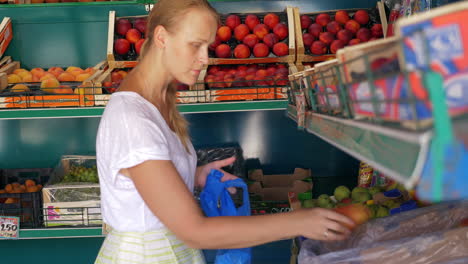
(215, 193)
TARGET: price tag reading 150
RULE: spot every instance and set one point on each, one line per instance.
(9, 227)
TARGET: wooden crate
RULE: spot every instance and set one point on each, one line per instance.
(6, 34)
(290, 40)
(82, 92)
(353, 63)
(304, 56)
(116, 60)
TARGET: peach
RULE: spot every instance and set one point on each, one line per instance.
(19, 88)
(19, 70)
(133, 35)
(82, 77)
(315, 30)
(224, 33)
(323, 19)
(345, 35)
(23, 74)
(90, 70)
(66, 77)
(242, 68)
(270, 39)
(115, 77)
(307, 38)
(261, 73)
(280, 49)
(341, 17)
(77, 72)
(239, 81)
(326, 37)
(121, 46)
(209, 79)
(241, 31)
(361, 16)
(241, 51)
(223, 51)
(39, 72)
(249, 78)
(55, 69)
(49, 83)
(138, 45)
(63, 89)
(72, 68)
(140, 24)
(123, 26)
(261, 30)
(271, 20)
(46, 76)
(232, 21)
(241, 73)
(306, 21)
(213, 69)
(250, 40)
(336, 45)
(13, 78)
(333, 27)
(352, 26)
(318, 48)
(377, 31)
(281, 30)
(261, 50)
(251, 21)
(35, 78)
(354, 42)
(28, 78)
(228, 80)
(364, 34)
(271, 70)
(215, 43)
(122, 73)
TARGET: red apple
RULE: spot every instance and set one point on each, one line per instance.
(242, 68)
(261, 30)
(232, 21)
(224, 33)
(123, 25)
(306, 21)
(250, 40)
(326, 37)
(140, 24)
(361, 16)
(307, 38)
(261, 50)
(133, 35)
(315, 30)
(270, 39)
(138, 45)
(213, 69)
(121, 46)
(223, 51)
(352, 26)
(341, 17)
(323, 19)
(336, 45)
(251, 21)
(345, 35)
(377, 31)
(318, 48)
(241, 51)
(281, 30)
(363, 34)
(241, 31)
(271, 20)
(333, 27)
(280, 49)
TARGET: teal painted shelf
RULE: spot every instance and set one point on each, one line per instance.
(60, 233)
(184, 108)
(396, 153)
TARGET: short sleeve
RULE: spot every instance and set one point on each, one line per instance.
(129, 136)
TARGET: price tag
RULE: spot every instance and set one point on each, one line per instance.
(9, 227)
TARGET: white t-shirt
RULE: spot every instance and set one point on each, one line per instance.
(131, 131)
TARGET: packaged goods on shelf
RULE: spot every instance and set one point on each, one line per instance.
(254, 38)
(72, 196)
(336, 29)
(277, 187)
(430, 235)
(6, 34)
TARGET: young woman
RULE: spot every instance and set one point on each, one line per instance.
(147, 164)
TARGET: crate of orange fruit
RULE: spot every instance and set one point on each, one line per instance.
(319, 35)
(55, 87)
(24, 201)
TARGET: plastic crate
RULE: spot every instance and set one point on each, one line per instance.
(27, 206)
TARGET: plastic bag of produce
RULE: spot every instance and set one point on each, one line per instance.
(216, 201)
(408, 225)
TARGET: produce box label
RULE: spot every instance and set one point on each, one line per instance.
(9, 227)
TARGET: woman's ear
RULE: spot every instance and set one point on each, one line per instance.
(160, 35)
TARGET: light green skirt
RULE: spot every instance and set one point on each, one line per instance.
(159, 247)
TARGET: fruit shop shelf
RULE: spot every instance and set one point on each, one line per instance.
(60, 233)
(396, 153)
(184, 108)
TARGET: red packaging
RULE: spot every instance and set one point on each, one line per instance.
(365, 175)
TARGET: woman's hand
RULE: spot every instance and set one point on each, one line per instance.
(324, 224)
(203, 171)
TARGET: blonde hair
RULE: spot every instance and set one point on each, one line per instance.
(167, 13)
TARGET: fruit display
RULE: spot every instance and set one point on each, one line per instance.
(127, 36)
(28, 186)
(324, 33)
(81, 174)
(243, 36)
(253, 75)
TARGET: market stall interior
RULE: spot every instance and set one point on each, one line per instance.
(354, 106)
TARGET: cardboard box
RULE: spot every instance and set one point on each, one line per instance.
(6, 34)
(277, 187)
